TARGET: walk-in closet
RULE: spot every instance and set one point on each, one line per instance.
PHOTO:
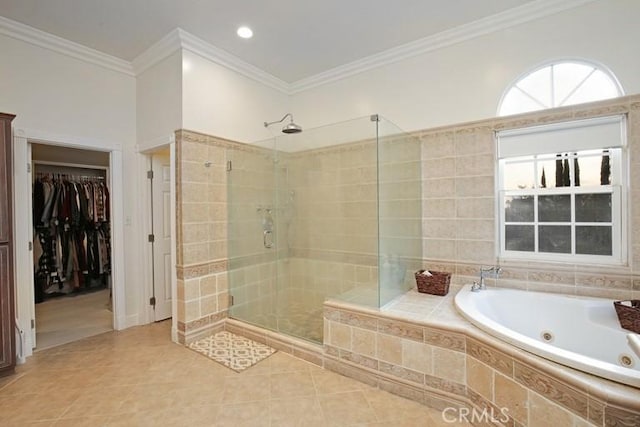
(71, 244)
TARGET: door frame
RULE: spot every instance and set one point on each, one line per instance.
(144, 164)
(23, 229)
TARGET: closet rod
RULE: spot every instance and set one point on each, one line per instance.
(70, 165)
(70, 176)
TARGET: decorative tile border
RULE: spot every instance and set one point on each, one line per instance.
(194, 330)
(591, 399)
(185, 135)
(494, 358)
(438, 338)
(199, 270)
(607, 282)
(564, 395)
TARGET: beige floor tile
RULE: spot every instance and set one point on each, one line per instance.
(389, 407)
(282, 362)
(291, 384)
(246, 388)
(137, 377)
(193, 416)
(304, 411)
(35, 407)
(250, 414)
(95, 421)
(348, 408)
(327, 382)
(102, 401)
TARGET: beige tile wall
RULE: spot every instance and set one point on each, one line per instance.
(333, 233)
(201, 209)
(458, 169)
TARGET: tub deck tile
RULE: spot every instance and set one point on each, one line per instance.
(614, 417)
(595, 411)
(445, 339)
(564, 395)
(492, 357)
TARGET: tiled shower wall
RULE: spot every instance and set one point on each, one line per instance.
(201, 210)
(334, 223)
(347, 196)
(459, 206)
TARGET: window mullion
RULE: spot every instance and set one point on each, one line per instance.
(573, 223)
(536, 240)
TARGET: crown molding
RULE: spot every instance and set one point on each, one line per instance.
(25, 33)
(219, 56)
(180, 39)
(509, 18)
(157, 52)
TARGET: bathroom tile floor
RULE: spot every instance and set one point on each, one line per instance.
(138, 377)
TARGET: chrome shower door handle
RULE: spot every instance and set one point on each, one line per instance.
(267, 239)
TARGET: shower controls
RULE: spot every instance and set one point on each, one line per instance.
(267, 239)
(267, 227)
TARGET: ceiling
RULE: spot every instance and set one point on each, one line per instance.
(293, 39)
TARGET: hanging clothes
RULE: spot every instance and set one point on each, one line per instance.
(71, 233)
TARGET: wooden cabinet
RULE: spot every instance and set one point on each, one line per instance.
(7, 307)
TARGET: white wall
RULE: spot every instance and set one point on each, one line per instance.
(159, 101)
(465, 82)
(221, 102)
(53, 94)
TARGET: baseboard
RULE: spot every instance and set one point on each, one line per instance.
(197, 334)
(125, 322)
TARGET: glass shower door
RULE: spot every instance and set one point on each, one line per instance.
(252, 229)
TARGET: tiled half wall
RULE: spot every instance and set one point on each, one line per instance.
(443, 366)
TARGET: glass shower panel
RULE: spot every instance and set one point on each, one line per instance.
(251, 199)
(332, 212)
(400, 210)
(326, 197)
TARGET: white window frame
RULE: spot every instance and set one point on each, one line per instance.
(618, 189)
(551, 64)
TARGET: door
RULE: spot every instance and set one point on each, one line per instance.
(161, 230)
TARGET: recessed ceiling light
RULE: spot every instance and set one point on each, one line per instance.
(244, 32)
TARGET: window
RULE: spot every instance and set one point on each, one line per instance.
(561, 191)
(559, 84)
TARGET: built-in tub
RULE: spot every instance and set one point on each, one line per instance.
(579, 332)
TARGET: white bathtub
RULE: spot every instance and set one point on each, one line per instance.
(582, 332)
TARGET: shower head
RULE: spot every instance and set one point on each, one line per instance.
(290, 127)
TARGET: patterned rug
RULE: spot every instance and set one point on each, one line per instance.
(233, 351)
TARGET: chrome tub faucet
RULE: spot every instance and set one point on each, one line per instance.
(485, 272)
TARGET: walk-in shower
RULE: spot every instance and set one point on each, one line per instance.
(333, 212)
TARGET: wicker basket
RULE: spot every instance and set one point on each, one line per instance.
(436, 284)
(629, 315)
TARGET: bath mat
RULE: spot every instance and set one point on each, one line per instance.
(233, 351)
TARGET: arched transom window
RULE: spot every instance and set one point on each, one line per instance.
(559, 84)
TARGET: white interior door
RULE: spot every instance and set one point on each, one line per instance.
(161, 223)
